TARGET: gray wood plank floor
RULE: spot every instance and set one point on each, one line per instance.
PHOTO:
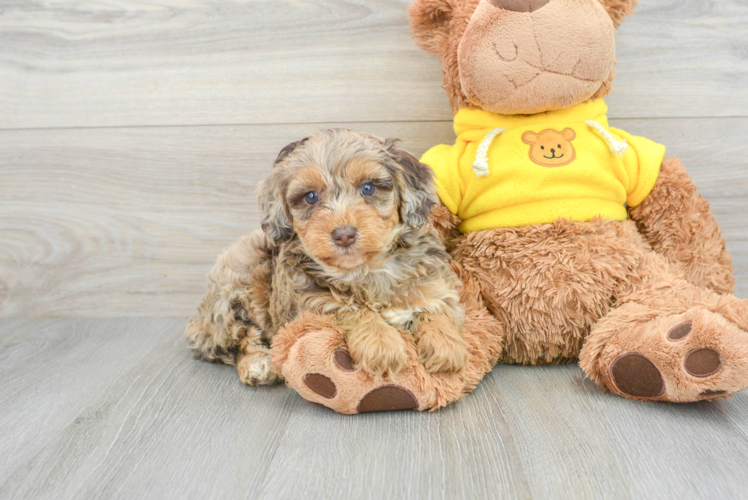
(117, 408)
(133, 134)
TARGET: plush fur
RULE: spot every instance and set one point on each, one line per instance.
(310, 340)
(643, 305)
(679, 225)
(314, 340)
(394, 275)
(543, 77)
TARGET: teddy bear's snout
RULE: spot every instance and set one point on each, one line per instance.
(520, 5)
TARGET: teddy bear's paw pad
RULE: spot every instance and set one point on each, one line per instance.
(388, 398)
(702, 363)
(680, 331)
(693, 356)
(319, 366)
(343, 360)
(637, 376)
(320, 384)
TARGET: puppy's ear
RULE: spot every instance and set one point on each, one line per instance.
(429, 23)
(275, 216)
(418, 195)
(619, 9)
(288, 150)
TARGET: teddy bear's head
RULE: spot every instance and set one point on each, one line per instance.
(521, 56)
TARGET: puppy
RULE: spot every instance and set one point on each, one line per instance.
(345, 232)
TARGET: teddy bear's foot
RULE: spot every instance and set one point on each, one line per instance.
(378, 394)
(693, 356)
(311, 355)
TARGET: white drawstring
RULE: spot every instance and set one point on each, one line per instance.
(480, 165)
(618, 148)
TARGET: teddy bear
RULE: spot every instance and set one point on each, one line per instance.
(574, 241)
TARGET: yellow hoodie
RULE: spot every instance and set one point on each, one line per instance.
(508, 171)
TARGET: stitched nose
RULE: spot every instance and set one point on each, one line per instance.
(520, 5)
(344, 236)
(553, 151)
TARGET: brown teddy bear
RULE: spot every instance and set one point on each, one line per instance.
(574, 241)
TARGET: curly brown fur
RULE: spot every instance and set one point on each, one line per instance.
(679, 224)
(549, 294)
(391, 271)
(295, 351)
(233, 325)
(548, 284)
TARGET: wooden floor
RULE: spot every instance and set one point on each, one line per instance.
(132, 137)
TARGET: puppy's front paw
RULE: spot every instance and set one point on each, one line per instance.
(442, 353)
(380, 352)
(255, 369)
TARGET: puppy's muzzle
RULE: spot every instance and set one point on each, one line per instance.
(344, 236)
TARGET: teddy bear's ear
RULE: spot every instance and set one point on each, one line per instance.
(569, 134)
(619, 9)
(429, 23)
(529, 138)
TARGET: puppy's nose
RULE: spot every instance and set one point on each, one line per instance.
(520, 5)
(344, 236)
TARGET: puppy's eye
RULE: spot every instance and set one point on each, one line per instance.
(559, 146)
(311, 197)
(542, 147)
(368, 189)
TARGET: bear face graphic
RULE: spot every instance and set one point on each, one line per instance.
(551, 148)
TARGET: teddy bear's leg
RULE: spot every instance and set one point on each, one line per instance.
(312, 356)
(668, 340)
(678, 223)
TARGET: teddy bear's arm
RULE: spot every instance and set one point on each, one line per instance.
(445, 223)
(679, 224)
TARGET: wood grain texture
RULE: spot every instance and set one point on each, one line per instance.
(127, 222)
(162, 425)
(52, 369)
(177, 62)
